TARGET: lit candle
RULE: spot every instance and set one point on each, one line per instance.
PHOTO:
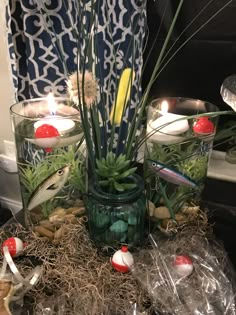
(63, 125)
(166, 126)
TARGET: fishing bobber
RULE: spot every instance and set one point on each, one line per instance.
(203, 127)
(122, 260)
(46, 137)
(15, 246)
(183, 265)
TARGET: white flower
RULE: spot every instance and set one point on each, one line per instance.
(87, 86)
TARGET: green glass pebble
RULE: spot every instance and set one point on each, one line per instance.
(119, 227)
(132, 220)
(122, 215)
(101, 220)
(131, 232)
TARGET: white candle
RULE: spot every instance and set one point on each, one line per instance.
(62, 125)
(166, 126)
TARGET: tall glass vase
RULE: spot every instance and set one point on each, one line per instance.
(177, 151)
(50, 161)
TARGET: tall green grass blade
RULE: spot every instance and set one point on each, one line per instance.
(136, 123)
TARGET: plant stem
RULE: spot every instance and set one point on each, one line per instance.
(167, 203)
(152, 79)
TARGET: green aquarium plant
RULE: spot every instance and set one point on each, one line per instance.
(32, 175)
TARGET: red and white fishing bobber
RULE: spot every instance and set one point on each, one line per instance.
(15, 246)
(46, 137)
(183, 265)
(203, 127)
(122, 260)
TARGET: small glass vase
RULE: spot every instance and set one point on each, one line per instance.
(177, 150)
(115, 219)
(51, 161)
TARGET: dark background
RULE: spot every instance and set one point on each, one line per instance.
(199, 68)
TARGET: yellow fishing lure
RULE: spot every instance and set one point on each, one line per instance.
(123, 96)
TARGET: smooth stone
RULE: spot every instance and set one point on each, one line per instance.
(101, 220)
(58, 211)
(161, 213)
(123, 216)
(119, 227)
(132, 220)
(151, 208)
(190, 210)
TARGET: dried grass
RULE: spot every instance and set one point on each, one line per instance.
(77, 278)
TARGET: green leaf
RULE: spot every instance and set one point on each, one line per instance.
(119, 187)
(126, 173)
(129, 186)
(114, 174)
(110, 159)
(104, 182)
(102, 166)
(121, 159)
(102, 173)
(124, 165)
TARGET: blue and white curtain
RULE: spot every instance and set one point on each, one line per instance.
(43, 43)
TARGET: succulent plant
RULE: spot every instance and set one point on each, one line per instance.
(115, 172)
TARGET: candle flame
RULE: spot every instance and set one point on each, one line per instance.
(52, 105)
(164, 107)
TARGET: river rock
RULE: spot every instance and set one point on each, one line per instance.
(101, 220)
(151, 208)
(57, 218)
(59, 233)
(79, 203)
(180, 218)
(132, 220)
(80, 211)
(48, 225)
(57, 215)
(161, 213)
(44, 232)
(190, 210)
(58, 211)
(119, 227)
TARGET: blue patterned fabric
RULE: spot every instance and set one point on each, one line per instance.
(42, 33)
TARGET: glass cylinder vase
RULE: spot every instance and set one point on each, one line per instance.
(116, 219)
(179, 141)
(50, 159)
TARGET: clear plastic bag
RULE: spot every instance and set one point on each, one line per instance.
(205, 288)
(52, 306)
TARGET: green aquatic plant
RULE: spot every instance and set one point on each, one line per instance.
(186, 158)
(195, 168)
(31, 175)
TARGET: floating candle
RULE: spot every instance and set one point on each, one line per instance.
(63, 125)
(167, 126)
